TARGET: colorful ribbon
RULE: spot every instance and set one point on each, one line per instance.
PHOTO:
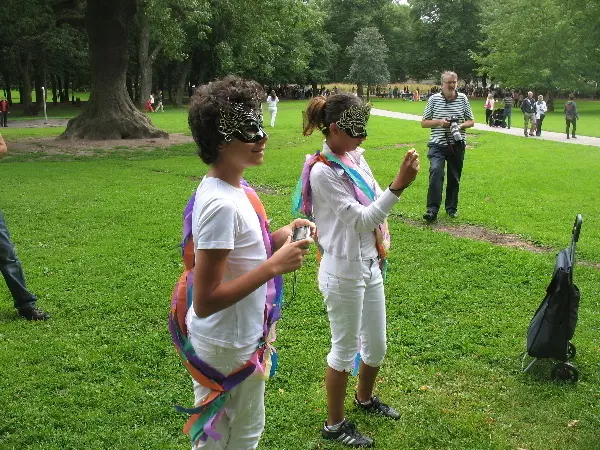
(201, 424)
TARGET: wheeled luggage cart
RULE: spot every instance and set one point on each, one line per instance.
(553, 324)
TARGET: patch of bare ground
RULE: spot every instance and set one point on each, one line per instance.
(53, 146)
(478, 233)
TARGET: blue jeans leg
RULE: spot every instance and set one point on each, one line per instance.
(10, 266)
(437, 161)
(507, 115)
(455, 161)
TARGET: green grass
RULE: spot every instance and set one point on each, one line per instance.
(98, 237)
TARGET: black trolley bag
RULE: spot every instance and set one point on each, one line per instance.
(553, 324)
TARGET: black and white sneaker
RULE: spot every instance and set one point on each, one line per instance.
(376, 406)
(347, 434)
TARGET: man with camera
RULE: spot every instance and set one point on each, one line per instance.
(448, 114)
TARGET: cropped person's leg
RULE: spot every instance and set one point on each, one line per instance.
(455, 166)
(436, 179)
(344, 300)
(11, 269)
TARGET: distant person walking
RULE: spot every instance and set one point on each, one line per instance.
(489, 108)
(4, 107)
(528, 108)
(509, 101)
(159, 103)
(272, 101)
(571, 115)
(540, 113)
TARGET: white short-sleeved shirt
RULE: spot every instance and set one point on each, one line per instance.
(223, 218)
(272, 102)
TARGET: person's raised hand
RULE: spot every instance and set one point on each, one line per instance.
(408, 170)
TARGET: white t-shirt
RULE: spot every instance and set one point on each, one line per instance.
(223, 218)
(272, 102)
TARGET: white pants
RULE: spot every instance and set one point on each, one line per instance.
(244, 420)
(356, 309)
(273, 114)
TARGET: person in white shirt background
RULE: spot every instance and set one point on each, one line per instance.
(351, 228)
(272, 101)
(540, 113)
(489, 108)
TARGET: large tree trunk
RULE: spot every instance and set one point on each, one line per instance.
(23, 64)
(40, 76)
(110, 113)
(146, 60)
(184, 70)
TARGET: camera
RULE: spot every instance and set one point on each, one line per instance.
(455, 129)
(301, 233)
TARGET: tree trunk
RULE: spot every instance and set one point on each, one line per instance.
(23, 64)
(39, 83)
(110, 113)
(144, 59)
(315, 89)
(550, 100)
(6, 78)
(61, 94)
(53, 81)
(184, 70)
(129, 82)
(368, 92)
(66, 87)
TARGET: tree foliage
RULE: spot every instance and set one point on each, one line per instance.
(445, 33)
(369, 54)
(557, 49)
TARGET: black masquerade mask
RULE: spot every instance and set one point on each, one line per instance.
(241, 122)
(354, 121)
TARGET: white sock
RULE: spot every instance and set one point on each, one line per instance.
(335, 427)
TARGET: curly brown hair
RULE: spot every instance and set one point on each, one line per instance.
(205, 111)
(323, 111)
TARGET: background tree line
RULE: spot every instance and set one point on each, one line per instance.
(130, 48)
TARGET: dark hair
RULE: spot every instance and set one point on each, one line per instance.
(571, 96)
(205, 111)
(322, 112)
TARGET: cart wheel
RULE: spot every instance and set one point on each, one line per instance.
(571, 351)
(565, 372)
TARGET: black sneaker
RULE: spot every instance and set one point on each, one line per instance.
(376, 406)
(430, 216)
(33, 313)
(453, 214)
(347, 434)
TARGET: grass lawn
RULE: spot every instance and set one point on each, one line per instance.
(98, 237)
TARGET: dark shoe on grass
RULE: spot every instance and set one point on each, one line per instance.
(348, 435)
(376, 406)
(452, 214)
(33, 313)
(430, 216)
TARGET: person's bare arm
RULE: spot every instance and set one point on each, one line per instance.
(434, 123)
(212, 295)
(3, 147)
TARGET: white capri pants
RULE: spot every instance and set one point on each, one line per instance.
(244, 420)
(273, 114)
(356, 309)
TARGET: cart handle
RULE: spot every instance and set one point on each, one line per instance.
(577, 227)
